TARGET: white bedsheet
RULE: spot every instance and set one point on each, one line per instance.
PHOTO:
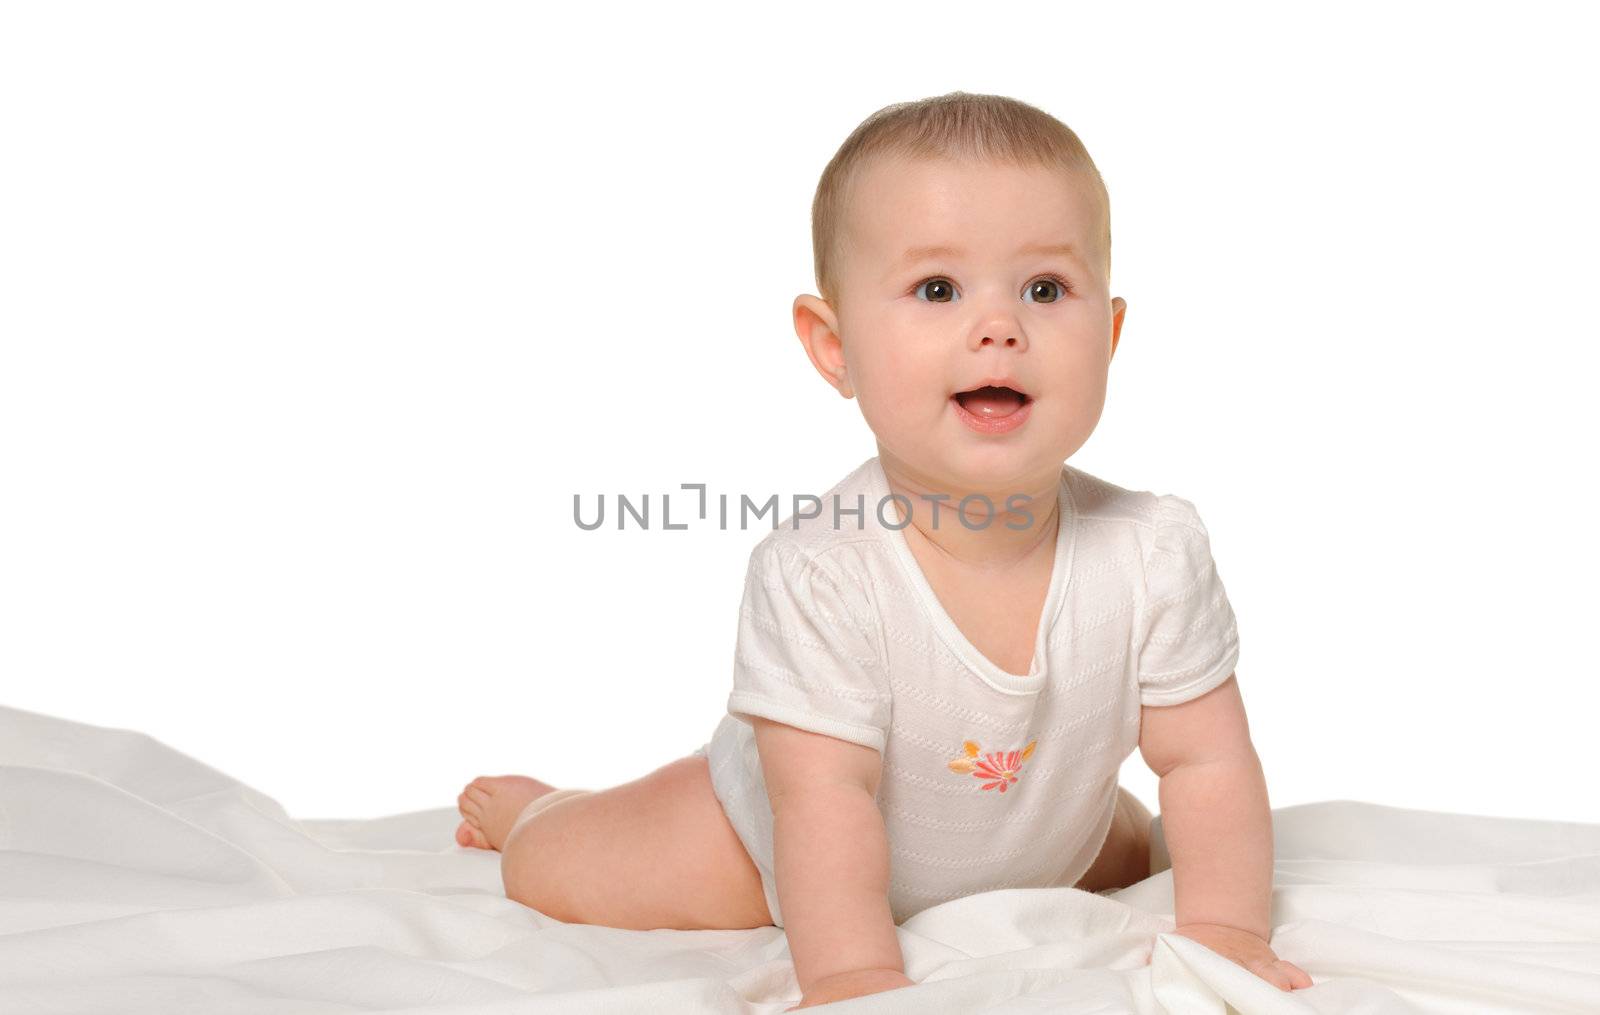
(136, 879)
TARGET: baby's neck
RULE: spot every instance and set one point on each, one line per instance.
(983, 542)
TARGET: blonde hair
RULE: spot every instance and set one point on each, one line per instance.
(959, 125)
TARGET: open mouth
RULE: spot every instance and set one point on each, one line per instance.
(992, 401)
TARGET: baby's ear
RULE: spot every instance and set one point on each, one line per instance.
(818, 329)
(1119, 309)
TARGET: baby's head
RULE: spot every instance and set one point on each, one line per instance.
(959, 240)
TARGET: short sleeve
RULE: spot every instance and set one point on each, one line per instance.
(807, 652)
(1189, 641)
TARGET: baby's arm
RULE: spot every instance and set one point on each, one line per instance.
(830, 859)
(1214, 811)
(1218, 827)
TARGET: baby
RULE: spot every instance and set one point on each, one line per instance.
(937, 676)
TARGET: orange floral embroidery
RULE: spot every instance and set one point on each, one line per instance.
(1001, 767)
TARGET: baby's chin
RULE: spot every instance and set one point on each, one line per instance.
(968, 463)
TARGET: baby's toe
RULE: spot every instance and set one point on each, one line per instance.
(468, 834)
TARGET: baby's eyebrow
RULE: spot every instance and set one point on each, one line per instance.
(915, 254)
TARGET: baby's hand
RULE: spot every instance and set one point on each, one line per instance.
(856, 983)
(1248, 951)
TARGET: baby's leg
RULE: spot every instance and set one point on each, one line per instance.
(657, 852)
(1124, 858)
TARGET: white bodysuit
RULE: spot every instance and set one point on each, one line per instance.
(990, 779)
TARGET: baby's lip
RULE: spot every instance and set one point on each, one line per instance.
(996, 382)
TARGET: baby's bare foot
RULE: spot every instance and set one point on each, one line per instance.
(490, 805)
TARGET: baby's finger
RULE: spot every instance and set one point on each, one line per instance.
(1297, 977)
(1270, 972)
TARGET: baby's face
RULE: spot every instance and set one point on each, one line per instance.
(905, 335)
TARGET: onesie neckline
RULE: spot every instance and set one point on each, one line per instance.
(976, 661)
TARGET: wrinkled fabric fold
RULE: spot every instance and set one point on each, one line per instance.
(135, 879)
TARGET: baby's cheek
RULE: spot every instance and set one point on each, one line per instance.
(900, 389)
(1081, 410)
(898, 401)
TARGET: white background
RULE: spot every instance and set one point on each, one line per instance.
(316, 316)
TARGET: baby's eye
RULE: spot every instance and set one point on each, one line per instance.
(1050, 285)
(1047, 288)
